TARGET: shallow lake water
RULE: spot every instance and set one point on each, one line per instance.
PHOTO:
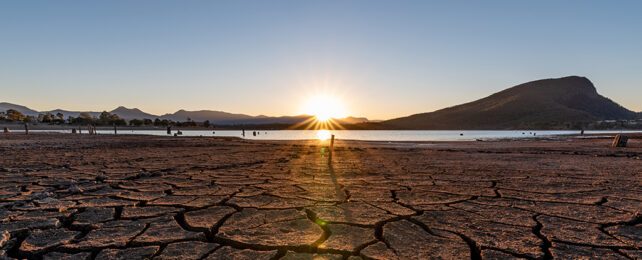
(365, 135)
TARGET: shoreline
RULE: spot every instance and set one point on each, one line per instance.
(20, 126)
(604, 135)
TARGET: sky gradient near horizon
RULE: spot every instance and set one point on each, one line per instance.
(383, 59)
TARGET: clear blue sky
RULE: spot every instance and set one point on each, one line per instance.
(383, 58)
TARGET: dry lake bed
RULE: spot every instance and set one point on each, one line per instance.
(65, 196)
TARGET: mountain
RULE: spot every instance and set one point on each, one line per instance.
(132, 113)
(202, 115)
(4, 106)
(568, 99)
(215, 117)
(353, 120)
(224, 118)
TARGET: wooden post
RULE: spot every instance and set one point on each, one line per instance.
(26, 128)
(620, 140)
(331, 150)
(115, 131)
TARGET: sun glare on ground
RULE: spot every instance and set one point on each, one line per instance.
(324, 108)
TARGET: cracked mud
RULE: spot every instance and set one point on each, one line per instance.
(137, 197)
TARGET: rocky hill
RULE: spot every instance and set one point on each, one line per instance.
(548, 101)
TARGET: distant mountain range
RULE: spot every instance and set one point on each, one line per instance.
(215, 117)
(532, 104)
(537, 104)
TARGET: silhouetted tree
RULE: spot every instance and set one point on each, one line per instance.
(47, 118)
(83, 119)
(164, 122)
(105, 118)
(135, 122)
(15, 115)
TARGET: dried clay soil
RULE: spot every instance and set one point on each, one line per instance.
(136, 197)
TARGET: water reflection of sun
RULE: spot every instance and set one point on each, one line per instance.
(323, 135)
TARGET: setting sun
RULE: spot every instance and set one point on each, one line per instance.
(324, 107)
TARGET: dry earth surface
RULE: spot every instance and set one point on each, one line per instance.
(66, 196)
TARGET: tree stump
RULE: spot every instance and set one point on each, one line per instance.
(73, 130)
(620, 140)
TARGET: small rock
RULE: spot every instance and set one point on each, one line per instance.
(100, 178)
(73, 189)
(620, 140)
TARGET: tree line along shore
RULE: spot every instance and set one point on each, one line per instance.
(48, 121)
